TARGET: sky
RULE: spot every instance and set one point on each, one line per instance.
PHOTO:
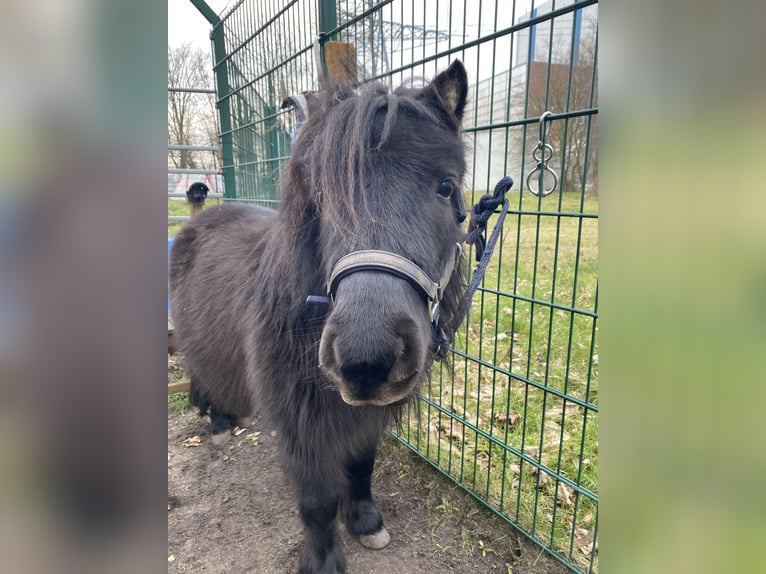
(186, 24)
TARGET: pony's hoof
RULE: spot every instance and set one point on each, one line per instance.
(376, 541)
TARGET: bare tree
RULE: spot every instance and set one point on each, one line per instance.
(191, 116)
(559, 85)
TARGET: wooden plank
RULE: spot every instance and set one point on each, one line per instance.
(341, 62)
(174, 388)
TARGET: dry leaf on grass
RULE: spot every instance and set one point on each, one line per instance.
(511, 418)
(565, 496)
(585, 542)
(451, 433)
(236, 431)
(544, 480)
(192, 441)
(253, 437)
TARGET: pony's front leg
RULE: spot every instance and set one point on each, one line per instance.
(318, 505)
(362, 516)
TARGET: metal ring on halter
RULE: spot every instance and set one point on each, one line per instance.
(546, 151)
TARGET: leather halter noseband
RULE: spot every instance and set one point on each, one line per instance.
(398, 266)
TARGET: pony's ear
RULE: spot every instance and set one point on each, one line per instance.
(452, 86)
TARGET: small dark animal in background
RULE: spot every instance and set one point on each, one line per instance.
(373, 171)
(197, 192)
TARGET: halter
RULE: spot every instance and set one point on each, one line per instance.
(432, 291)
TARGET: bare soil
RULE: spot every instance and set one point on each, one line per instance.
(230, 511)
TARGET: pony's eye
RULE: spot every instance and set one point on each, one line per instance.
(446, 188)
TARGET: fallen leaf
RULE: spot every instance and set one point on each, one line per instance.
(236, 431)
(511, 418)
(544, 480)
(450, 433)
(585, 542)
(192, 441)
(172, 558)
(565, 496)
(587, 519)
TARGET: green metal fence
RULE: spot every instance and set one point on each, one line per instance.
(514, 418)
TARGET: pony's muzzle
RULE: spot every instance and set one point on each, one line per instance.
(379, 366)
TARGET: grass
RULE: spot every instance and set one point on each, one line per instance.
(515, 355)
(179, 402)
(181, 207)
(530, 337)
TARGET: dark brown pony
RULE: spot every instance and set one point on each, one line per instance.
(371, 170)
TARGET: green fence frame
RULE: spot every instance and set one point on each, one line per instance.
(513, 418)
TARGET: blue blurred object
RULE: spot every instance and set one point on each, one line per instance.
(170, 243)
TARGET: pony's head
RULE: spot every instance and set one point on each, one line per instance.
(384, 172)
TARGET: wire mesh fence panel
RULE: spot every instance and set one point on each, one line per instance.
(513, 415)
(267, 55)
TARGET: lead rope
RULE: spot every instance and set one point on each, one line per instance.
(480, 214)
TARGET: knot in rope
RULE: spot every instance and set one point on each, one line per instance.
(482, 211)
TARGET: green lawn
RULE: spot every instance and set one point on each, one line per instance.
(181, 207)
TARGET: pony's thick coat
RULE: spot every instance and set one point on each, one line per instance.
(364, 175)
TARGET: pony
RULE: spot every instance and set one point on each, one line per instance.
(369, 225)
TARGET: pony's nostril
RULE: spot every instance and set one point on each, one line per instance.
(366, 373)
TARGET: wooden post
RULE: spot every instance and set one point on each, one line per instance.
(340, 58)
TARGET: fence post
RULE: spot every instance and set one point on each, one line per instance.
(328, 21)
(221, 72)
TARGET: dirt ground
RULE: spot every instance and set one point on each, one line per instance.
(229, 511)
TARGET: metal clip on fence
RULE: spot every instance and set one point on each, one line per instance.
(542, 154)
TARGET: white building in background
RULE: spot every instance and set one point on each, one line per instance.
(506, 96)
